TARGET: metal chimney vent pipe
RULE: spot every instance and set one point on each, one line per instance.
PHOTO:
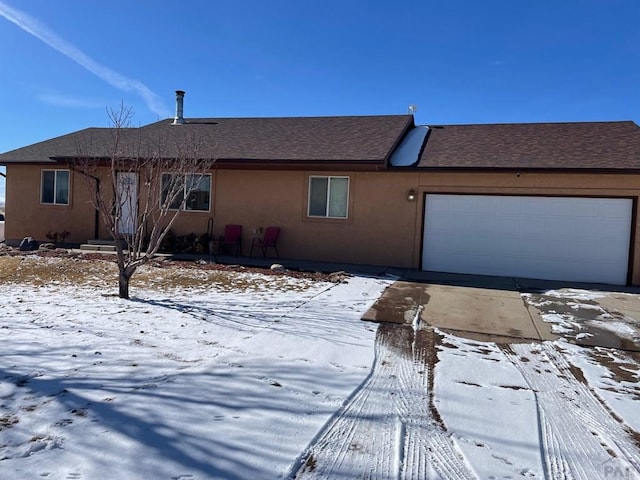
(179, 118)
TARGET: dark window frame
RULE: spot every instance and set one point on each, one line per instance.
(328, 197)
(53, 196)
(179, 199)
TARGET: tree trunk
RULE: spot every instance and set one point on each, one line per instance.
(123, 284)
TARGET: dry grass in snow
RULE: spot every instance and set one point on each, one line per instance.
(79, 270)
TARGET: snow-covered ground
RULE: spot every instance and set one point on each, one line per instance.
(254, 376)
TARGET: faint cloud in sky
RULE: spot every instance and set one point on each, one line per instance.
(61, 100)
(42, 32)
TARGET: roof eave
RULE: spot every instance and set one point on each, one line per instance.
(604, 170)
(274, 164)
(342, 165)
(6, 162)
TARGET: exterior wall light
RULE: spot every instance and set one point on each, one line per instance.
(411, 196)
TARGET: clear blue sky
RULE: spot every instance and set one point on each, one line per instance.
(460, 61)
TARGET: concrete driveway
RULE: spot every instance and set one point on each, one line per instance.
(508, 310)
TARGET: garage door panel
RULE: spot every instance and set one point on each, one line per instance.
(577, 251)
(439, 204)
(476, 223)
(558, 238)
(440, 223)
(586, 207)
(533, 206)
(613, 209)
(495, 204)
(611, 224)
(440, 245)
(583, 226)
(510, 226)
(607, 255)
(510, 249)
(555, 249)
(485, 207)
(532, 226)
(579, 209)
(461, 204)
(559, 207)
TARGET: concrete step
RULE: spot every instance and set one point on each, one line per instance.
(97, 247)
(101, 242)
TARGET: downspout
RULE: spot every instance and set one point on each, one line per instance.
(96, 214)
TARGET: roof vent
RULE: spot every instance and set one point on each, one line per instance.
(179, 118)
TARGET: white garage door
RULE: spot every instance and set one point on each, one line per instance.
(555, 238)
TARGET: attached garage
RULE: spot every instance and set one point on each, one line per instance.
(556, 238)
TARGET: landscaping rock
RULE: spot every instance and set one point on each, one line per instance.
(28, 244)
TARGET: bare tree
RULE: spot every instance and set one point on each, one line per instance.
(141, 186)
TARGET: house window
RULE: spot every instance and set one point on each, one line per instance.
(196, 187)
(55, 187)
(328, 197)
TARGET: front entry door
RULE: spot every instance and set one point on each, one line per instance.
(128, 198)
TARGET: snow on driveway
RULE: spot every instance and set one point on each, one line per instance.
(387, 429)
(578, 435)
(274, 377)
(478, 410)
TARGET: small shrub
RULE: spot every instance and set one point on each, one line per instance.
(57, 238)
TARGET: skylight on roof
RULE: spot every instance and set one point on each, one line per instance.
(408, 151)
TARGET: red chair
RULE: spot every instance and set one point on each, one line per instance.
(232, 236)
(270, 239)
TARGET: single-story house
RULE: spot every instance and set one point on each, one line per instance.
(538, 200)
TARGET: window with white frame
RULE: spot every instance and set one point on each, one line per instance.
(55, 187)
(328, 197)
(197, 188)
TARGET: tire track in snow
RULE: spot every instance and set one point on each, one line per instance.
(360, 438)
(579, 437)
(386, 430)
(427, 446)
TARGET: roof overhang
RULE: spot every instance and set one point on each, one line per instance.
(253, 164)
(514, 170)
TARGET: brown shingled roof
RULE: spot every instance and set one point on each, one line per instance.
(587, 145)
(302, 139)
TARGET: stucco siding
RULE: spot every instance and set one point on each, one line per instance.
(27, 216)
(382, 227)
